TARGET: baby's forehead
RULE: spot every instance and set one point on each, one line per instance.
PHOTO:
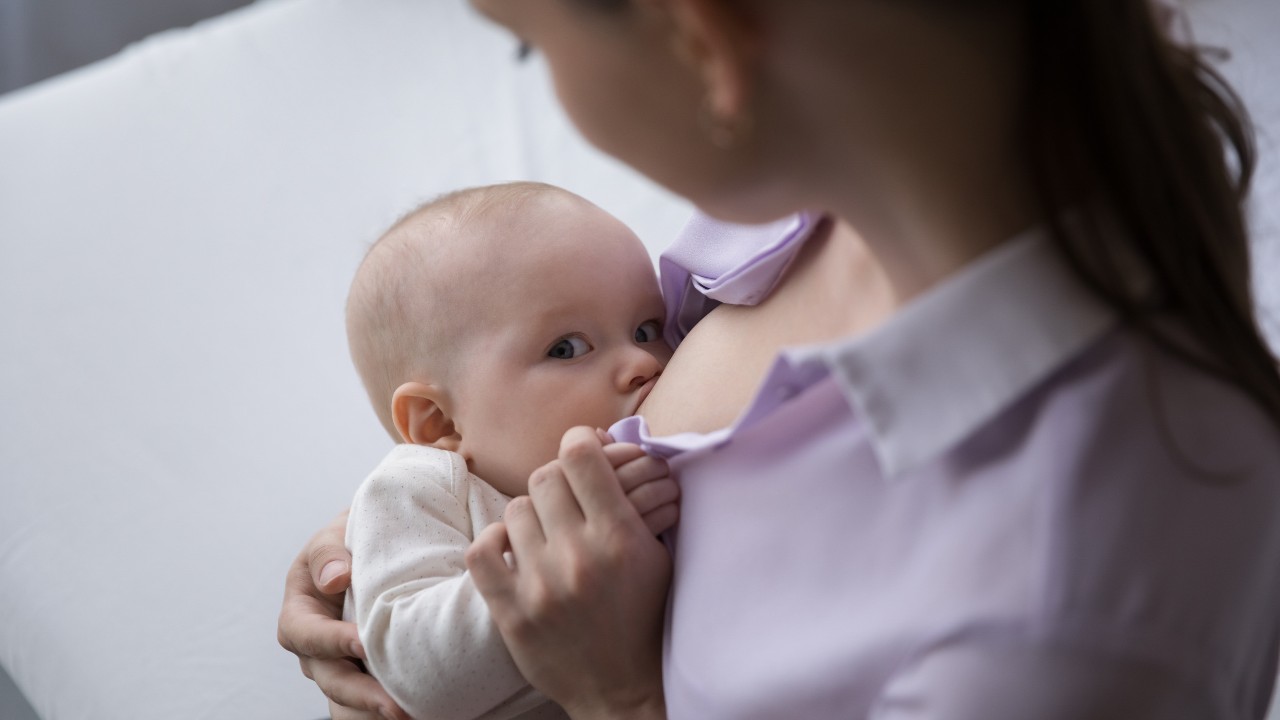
(495, 246)
(548, 233)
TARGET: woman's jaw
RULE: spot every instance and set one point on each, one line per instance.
(899, 117)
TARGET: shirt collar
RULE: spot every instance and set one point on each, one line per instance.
(950, 360)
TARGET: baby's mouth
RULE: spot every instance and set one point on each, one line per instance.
(643, 393)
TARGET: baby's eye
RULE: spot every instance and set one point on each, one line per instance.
(648, 332)
(569, 348)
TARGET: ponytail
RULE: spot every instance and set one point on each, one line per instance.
(1152, 144)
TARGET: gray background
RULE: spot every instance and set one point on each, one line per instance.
(42, 38)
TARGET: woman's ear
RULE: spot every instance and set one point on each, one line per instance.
(422, 416)
(721, 41)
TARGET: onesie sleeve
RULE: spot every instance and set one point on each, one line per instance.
(426, 630)
(1015, 680)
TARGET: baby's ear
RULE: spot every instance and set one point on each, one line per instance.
(421, 415)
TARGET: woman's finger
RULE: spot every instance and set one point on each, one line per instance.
(553, 501)
(310, 622)
(488, 566)
(327, 558)
(308, 630)
(524, 529)
(345, 685)
(337, 712)
(591, 477)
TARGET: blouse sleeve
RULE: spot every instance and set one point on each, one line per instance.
(1014, 680)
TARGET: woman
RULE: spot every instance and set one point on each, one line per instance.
(1046, 486)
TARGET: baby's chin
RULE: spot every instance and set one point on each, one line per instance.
(510, 487)
(512, 478)
(511, 482)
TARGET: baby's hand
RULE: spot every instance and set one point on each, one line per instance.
(646, 482)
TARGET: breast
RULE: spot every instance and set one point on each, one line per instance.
(833, 289)
(712, 376)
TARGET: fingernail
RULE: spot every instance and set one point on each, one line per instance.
(386, 713)
(357, 650)
(331, 571)
(604, 436)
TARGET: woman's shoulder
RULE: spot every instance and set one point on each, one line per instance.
(1131, 425)
(1139, 409)
(1158, 519)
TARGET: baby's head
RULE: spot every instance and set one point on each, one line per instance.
(490, 321)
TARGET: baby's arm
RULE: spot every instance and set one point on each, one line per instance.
(426, 631)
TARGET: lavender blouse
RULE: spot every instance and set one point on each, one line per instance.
(1000, 504)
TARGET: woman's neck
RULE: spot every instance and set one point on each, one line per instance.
(926, 161)
(926, 221)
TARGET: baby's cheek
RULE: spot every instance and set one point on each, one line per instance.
(523, 457)
(502, 463)
(510, 480)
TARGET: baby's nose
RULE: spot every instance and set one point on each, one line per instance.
(640, 368)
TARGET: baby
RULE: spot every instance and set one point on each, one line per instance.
(484, 325)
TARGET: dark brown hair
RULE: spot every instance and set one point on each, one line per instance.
(1140, 133)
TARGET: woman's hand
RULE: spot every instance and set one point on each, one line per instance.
(311, 627)
(581, 607)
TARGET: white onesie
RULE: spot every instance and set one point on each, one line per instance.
(426, 629)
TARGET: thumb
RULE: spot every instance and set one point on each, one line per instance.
(328, 559)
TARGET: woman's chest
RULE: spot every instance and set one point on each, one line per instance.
(803, 577)
(712, 377)
(833, 290)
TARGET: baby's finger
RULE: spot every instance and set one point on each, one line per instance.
(642, 470)
(653, 495)
(622, 453)
(662, 519)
